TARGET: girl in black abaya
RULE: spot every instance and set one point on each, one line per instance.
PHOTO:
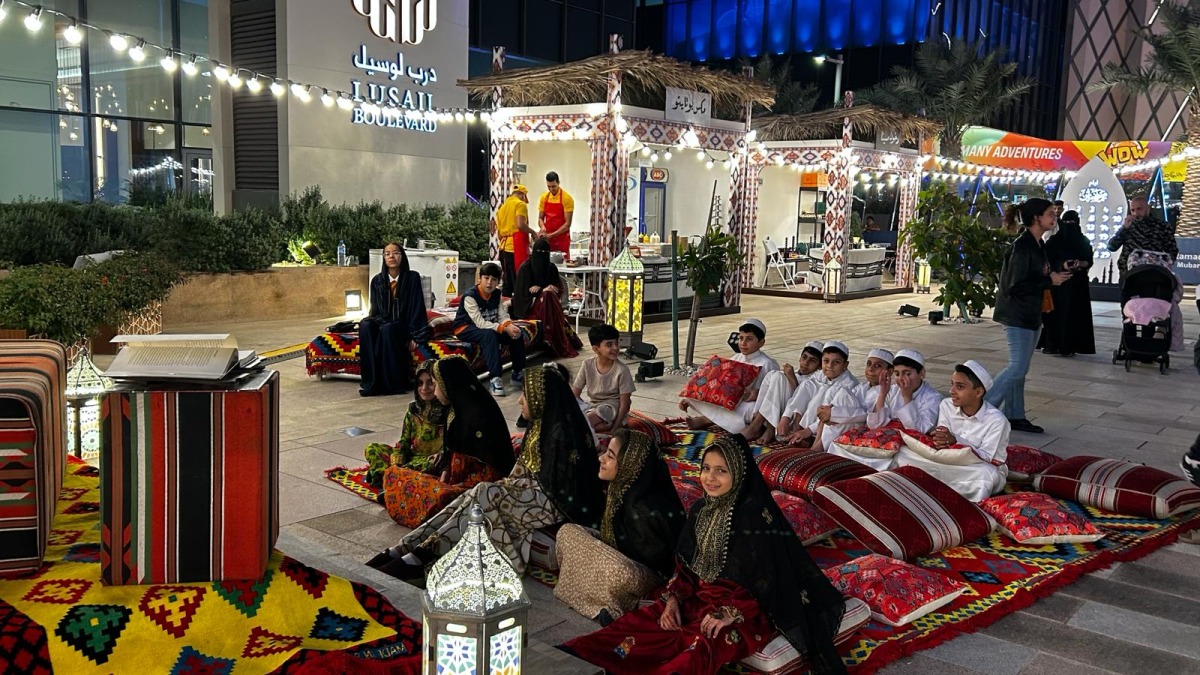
(387, 336)
(1068, 328)
(537, 295)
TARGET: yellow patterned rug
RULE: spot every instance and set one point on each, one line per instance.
(62, 618)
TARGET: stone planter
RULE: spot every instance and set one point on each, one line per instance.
(280, 293)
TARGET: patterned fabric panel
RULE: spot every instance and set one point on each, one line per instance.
(874, 443)
(654, 429)
(903, 513)
(800, 471)
(923, 445)
(411, 496)
(1035, 518)
(779, 656)
(897, 593)
(189, 484)
(1025, 462)
(810, 523)
(720, 381)
(1119, 487)
(689, 491)
(18, 491)
(542, 549)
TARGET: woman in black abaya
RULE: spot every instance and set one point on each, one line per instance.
(389, 334)
(1068, 328)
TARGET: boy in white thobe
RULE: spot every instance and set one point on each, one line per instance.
(966, 419)
(778, 387)
(878, 368)
(907, 396)
(834, 409)
(752, 335)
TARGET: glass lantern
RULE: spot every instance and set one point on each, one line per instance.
(475, 609)
(833, 281)
(923, 275)
(85, 386)
(626, 296)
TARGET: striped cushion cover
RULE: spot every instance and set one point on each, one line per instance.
(779, 656)
(543, 549)
(1119, 486)
(903, 513)
(801, 471)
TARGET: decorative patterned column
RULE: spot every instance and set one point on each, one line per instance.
(743, 207)
(500, 159)
(837, 203)
(910, 186)
(610, 174)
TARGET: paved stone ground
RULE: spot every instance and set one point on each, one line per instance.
(1140, 617)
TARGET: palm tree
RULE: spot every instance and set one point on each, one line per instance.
(955, 84)
(1174, 66)
(791, 97)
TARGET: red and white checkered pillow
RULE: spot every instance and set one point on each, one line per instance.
(903, 513)
(1034, 518)
(1119, 486)
(810, 523)
(922, 444)
(779, 656)
(897, 592)
(800, 471)
(881, 443)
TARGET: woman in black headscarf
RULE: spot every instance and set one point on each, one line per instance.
(1068, 328)
(536, 296)
(555, 479)
(603, 578)
(741, 574)
(387, 336)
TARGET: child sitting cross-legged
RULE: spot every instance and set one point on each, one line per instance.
(483, 319)
(607, 381)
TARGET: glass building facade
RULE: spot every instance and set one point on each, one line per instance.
(83, 122)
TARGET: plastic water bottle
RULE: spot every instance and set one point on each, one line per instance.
(341, 254)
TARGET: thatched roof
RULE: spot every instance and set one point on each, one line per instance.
(646, 76)
(824, 124)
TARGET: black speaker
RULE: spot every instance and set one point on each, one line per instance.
(935, 316)
(733, 342)
(643, 350)
(648, 369)
(909, 310)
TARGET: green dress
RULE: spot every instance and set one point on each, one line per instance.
(420, 440)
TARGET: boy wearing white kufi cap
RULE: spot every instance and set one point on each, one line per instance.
(779, 388)
(967, 419)
(752, 334)
(834, 409)
(878, 367)
(906, 396)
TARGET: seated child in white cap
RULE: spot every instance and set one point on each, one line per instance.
(752, 335)
(966, 419)
(778, 389)
(834, 409)
(905, 396)
(789, 423)
(878, 368)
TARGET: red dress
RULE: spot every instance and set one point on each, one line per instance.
(635, 644)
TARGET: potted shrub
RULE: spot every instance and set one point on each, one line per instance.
(708, 263)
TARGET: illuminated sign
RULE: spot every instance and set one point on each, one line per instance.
(400, 91)
(401, 21)
(658, 175)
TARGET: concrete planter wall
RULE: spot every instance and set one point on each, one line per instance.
(280, 293)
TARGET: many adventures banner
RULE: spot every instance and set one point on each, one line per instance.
(993, 147)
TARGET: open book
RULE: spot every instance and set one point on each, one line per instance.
(191, 357)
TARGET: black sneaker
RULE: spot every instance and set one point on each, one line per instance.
(1026, 426)
(1191, 468)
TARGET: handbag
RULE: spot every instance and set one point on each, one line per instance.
(1047, 302)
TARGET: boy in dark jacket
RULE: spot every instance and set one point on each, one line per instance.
(483, 319)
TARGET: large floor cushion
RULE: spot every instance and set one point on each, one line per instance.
(904, 513)
(897, 593)
(808, 522)
(1034, 518)
(779, 656)
(1119, 486)
(801, 471)
(331, 353)
(1025, 462)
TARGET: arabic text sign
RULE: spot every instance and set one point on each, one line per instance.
(688, 106)
(405, 88)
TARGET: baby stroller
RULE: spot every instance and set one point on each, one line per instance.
(1147, 296)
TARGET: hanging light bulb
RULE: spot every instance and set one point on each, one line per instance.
(221, 73)
(326, 99)
(700, 155)
(667, 154)
(118, 42)
(305, 94)
(253, 84)
(485, 116)
(726, 164)
(458, 117)
(653, 157)
(72, 34)
(138, 52)
(277, 88)
(190, 68)
(708, 164)
(169, 63)
(470, 116)
(297, 88)
(646, 151)
(235, 80)
(3, 12)
(344, 102)
(34, 21)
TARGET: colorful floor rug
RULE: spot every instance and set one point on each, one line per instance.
(63, 619)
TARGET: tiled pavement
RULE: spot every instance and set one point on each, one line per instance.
(1141, 617)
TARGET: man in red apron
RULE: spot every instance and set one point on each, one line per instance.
(555, 211)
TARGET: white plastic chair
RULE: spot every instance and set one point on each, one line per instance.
(775, 261)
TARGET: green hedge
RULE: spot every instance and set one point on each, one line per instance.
(188, 234)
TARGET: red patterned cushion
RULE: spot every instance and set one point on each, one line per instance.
(903, 513)
(720, 382)
(1035, 518)
(800, 471)
(923, 445)
(1119, 486)
(896, 592)
(1025, 462)
(636, 421)
(881, 443)
(810, 523)
(689, 491)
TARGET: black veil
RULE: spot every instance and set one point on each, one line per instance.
(643, 516)
(476, 426)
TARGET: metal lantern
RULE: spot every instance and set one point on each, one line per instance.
(833, 281)
(475, 609)
(626, 296)
(85, 386)
(924, 272)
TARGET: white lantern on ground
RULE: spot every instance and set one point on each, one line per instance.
(833, 281)
(924, 274)
(475, 609)
(85, 386)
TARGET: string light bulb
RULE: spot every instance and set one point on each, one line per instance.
(3, 12)
(34, 20)
(667, 154)
(72, 34)
(646, 151)
(169, 63)
(708, 164)
(326, 99)
(653, 157)
(253, 84)
(118, 42)
(221, 73)
(344, 102)
(138, 51)
(277, 88)
(190, 67)
(234, 81)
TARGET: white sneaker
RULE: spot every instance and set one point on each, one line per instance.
(498, 387)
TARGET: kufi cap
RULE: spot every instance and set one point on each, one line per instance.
(980, 372)
(757, 324)
(839, 346)
(882, 355)
(910, 355)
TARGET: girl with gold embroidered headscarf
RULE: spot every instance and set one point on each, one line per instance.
(741, 575)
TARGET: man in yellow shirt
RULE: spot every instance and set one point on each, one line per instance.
(512, 217)
(555, 212)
